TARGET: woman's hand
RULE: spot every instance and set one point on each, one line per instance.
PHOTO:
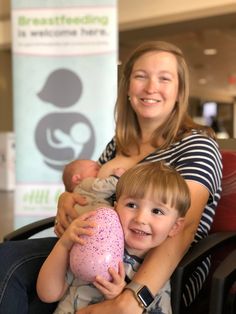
(66, 211)
(125, 303)
(112, 289)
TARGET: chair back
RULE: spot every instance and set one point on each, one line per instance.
(225, 217)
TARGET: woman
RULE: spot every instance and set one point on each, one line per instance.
(152, 124)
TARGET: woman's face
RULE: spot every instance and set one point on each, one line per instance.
(153, 88)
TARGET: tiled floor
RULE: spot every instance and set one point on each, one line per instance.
(6, 213)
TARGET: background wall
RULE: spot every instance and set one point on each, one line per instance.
(139, 13)
(6, 114)
(143, 16)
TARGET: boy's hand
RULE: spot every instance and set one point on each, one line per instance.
(79, 226)
(112, 289)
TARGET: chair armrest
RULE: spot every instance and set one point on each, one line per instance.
(222, 279)
(206, 246)
(29, 230)
(191, 260)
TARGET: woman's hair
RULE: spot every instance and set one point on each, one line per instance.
(157, 180)
(178, 124)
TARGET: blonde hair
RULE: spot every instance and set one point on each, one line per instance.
(178, 124)
(164, 183)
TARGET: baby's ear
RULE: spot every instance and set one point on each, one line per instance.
(177, 227)
(76, 178)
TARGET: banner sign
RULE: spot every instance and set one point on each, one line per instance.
(65, 78)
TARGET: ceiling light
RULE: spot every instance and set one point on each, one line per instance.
(210, 51)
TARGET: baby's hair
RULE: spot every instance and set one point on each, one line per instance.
(69, 170)
(163, 182)
(82, 167)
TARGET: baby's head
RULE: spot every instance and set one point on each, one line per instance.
(158, 180)
(78, 170)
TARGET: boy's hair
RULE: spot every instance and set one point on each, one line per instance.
(163, 182)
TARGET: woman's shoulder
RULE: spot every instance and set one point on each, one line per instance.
(198, 157)
(198, 147)
(193, 146)
(197, 140)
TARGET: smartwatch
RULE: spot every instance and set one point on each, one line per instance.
(142, 294)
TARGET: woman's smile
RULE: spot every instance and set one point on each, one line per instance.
(150, 101)
(154, 85)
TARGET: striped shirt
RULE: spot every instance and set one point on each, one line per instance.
(197, 158)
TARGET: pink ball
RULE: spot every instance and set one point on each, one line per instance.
(104, 249)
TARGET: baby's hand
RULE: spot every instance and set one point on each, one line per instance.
(112, 289)
(79, 226)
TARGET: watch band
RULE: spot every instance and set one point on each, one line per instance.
(142, 294)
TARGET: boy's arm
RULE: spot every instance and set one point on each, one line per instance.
(51, 283)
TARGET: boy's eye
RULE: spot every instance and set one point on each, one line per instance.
(157, 211)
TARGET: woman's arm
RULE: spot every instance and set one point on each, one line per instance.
(165, 258)
(125, 303)
(161, 262)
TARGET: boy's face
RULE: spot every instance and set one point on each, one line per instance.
(146, 223)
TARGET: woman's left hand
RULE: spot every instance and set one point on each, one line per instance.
(66, 211)
(125, 303)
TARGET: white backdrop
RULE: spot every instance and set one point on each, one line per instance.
(65, 78)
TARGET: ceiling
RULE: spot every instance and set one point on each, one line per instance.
(212, 77)
(218, 72)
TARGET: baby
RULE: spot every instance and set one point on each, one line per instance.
(81, 176)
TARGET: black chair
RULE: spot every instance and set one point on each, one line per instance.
(30, 230)
(221, 280)
(217, 294)
(223, 287)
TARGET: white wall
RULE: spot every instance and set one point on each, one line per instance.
(140, 13)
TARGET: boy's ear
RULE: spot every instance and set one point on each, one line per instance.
(76, 178)
(177, 227)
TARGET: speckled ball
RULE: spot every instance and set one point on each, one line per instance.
(104, 249)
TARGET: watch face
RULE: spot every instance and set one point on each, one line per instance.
(145, 296)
